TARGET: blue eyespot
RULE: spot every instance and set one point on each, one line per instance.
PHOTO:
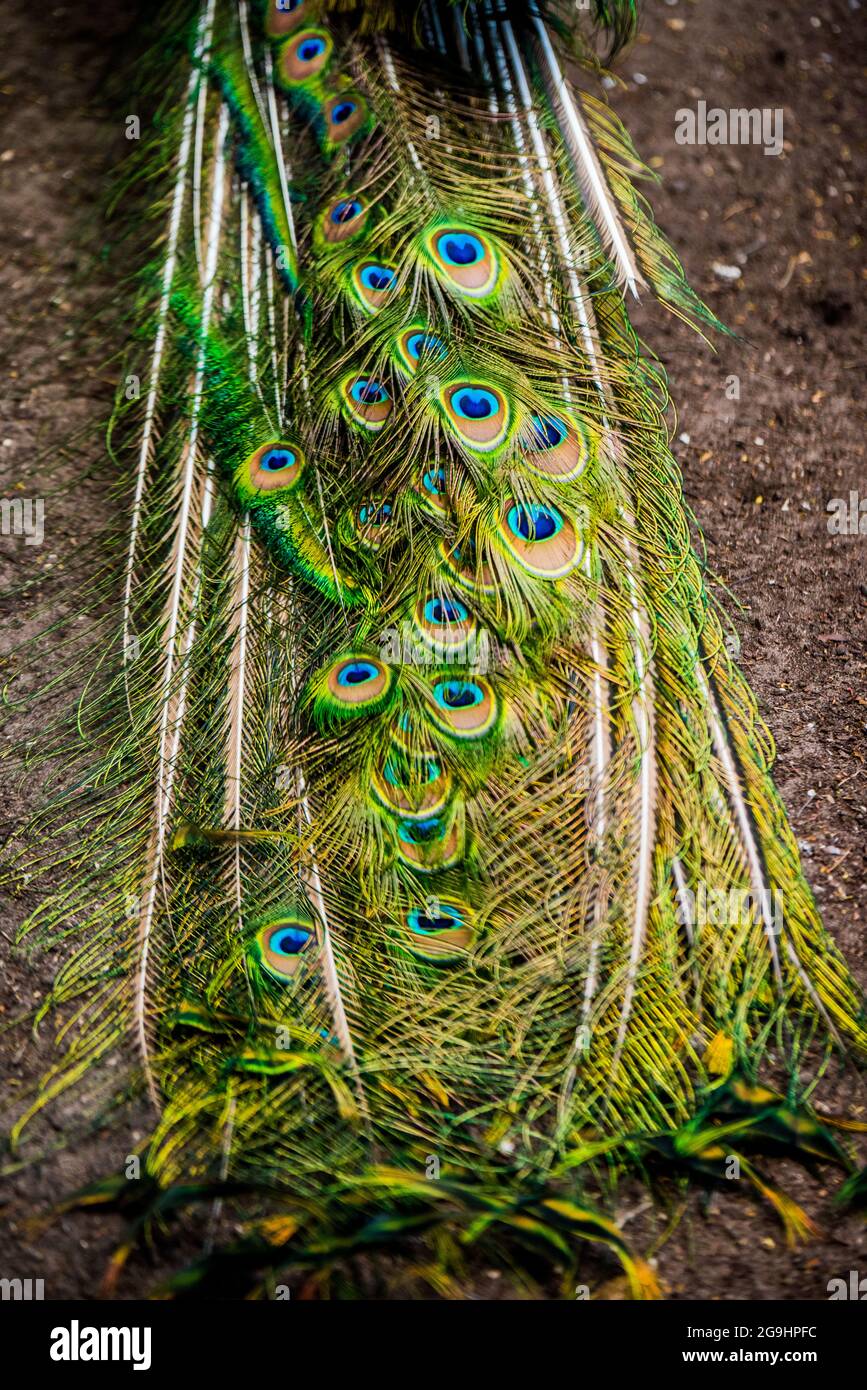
(277, 459)
(435, 480)
(458, 694)
(345, 210)
(534, 522)
(474, 403)
(460, 248)
(290, 941)
(420, 342)
(310, 49)
(547, 432)
(342, 111)
(377, 277)
(421, 832)
(426, 924)
(442, 611)
(376, 515)
(368, 392)
(287, 6)
(356, 673)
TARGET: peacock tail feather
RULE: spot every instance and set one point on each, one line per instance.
(420, 852)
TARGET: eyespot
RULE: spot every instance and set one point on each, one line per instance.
(458, 695)
(285, 15)
(429, 844)
(375, 514)
(278, 946)
(474, 403)
(546, 432)
(371, 522)
(277, 460)
(377, 277)
(311, 49)
(373, 283)
(356, 683)
(354, 674)
(534, 523)
(422, 832)
(411, 785)
(416, 346)
(464, 708)
(346, 210)
(555, 446)
(345, 114)
(367, 391)
(445, 612)
(439, 932)
(465, 259)
(419, 343)
(367, 401)
(289, 941)
(304, 56)
(445, 623)
(274, 466)
(431, 489)
(445, 920)
(541, 539)
(460, 248)
(344, 219)
(478, 413)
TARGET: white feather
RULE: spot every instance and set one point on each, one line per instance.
(173, 703)
(600, 203)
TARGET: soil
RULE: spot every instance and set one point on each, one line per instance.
(770, 429)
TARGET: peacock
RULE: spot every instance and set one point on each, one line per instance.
(416, 856)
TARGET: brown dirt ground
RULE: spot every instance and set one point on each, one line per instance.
(759, 473)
